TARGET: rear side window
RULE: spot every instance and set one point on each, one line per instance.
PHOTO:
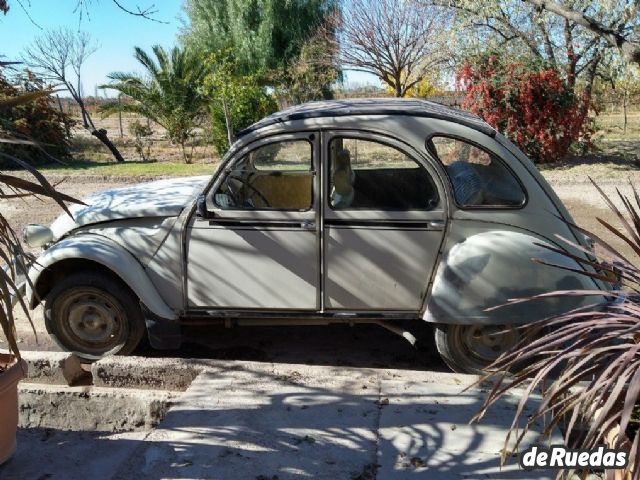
(368, 175)
(479, 178)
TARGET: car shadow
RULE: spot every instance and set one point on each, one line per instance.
(364, 346)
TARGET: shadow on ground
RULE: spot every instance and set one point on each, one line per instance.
(365, 346)
(253, 422)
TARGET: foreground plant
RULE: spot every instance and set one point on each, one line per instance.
(585, 362)
(12, 254)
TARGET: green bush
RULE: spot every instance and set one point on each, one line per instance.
(251, 103)
(38, 120)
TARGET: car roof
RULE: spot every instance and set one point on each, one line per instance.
(373, 106)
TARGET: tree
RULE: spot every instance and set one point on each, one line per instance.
(518, 29)
(311, 76)
(58, 56)
(616, 22)
(522, 27)
(399, 41)
(263, 34)
(237, 101)
(170, 94)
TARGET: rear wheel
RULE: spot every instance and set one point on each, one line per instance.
(472, 348)
(93, 314)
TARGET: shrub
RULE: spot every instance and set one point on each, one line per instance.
(529, 102)
(37, 120)
(143, 141)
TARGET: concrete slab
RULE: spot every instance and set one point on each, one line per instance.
(424, 429)
(256, 420)
(62, 455)
(247, 424)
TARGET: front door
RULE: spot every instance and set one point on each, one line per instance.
(260, 248)
(384, 221)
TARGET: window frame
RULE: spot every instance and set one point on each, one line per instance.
(431, 149)
(229, 169)
(327, 183)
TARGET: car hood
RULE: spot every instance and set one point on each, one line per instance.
(161, 198)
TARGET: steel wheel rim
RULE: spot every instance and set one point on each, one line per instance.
(93, 320)
(485, 343)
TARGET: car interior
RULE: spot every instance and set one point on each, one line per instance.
(377, 177)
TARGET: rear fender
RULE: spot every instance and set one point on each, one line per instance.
(487, 269)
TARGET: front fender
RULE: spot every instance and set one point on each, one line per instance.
(486, 269)
(106, 252)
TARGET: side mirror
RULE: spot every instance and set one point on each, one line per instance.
(201, 207)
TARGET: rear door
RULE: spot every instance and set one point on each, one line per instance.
(383, 224)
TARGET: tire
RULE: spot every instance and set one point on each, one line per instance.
(93, 315)
(472, 348)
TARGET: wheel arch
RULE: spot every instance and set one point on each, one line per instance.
(94, 252)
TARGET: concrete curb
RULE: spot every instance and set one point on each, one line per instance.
(60, 368)
(91, 408)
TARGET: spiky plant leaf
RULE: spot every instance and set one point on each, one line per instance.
(586, 362)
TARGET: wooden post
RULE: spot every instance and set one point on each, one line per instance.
(624, 108)
(120, 114)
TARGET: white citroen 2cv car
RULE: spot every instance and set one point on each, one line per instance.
(379, 211)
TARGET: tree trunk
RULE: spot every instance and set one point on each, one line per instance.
(101, 135)
(228, 121)
(590, 77)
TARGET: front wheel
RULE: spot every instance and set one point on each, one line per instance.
(93, 315)
(472, 348)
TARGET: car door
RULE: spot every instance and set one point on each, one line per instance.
(258, 248)
(383, 224)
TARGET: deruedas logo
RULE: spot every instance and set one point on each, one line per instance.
(558, 456)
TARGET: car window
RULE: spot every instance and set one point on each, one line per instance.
(479, 178)
(364, 174)
(276, 176)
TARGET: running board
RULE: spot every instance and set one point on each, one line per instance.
(251, 319)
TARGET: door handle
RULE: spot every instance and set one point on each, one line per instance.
(436, 224)
(308, 225)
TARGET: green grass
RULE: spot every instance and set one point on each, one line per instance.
(129, 168)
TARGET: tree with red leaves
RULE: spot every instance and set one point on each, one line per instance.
(529, 102)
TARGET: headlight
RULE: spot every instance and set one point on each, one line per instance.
(36, 235)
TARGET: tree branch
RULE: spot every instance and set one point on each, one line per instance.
(630, 50)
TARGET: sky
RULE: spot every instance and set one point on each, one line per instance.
(115, 32)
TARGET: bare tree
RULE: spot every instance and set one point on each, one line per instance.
(399, 41)
(59, 56)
